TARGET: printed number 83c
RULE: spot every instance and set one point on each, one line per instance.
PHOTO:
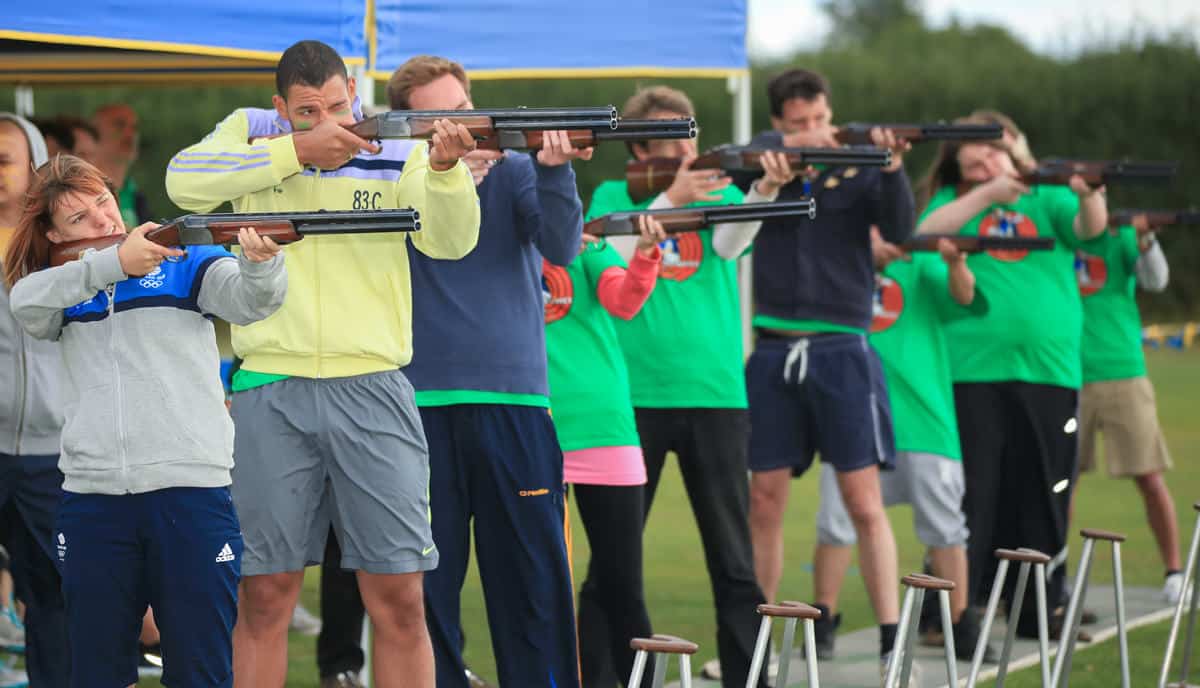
(366, 200)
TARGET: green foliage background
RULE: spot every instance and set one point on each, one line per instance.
(1118, 99)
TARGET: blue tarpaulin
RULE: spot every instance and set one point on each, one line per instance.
(216, 41)
(117, 41)
(524, 38)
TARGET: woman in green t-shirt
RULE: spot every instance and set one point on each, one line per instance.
(593, 415)
(1016, 370)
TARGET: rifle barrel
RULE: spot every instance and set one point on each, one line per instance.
(625, 222)
(648, 130)
(516, 117)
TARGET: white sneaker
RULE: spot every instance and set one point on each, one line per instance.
(711, 670)
(13, 678)
(914, 676)
(1173, 588)
(304, 622)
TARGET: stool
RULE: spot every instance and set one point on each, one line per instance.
(1066, 643)
(659, 645)
(910, 617)
(1027, 558)
(1189, 578)
(793, 612)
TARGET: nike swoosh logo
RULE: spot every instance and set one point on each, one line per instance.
(425, 552)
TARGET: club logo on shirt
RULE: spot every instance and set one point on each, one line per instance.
(557, 292)
(887, 303)
(681, 256)
(1007, 223)
(153, 280)
(1091, 272)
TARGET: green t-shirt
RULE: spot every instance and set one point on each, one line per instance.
(1112, 326)
(684, 348)
(127, 202)
(589, 383)
(912, 303)
(1032, 330)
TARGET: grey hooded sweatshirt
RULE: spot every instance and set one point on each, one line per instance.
(30, 404)
(144, 404)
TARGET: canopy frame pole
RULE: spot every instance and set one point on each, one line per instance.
(24, 100)
(739, 86)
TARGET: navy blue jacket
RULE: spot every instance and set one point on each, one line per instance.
(821, 269)
(478, 322)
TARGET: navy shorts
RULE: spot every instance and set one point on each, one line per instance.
(178, 550)
(824, 394)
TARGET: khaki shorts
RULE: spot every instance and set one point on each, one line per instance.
(1125, 412)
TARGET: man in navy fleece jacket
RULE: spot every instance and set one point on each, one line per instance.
(479, 368)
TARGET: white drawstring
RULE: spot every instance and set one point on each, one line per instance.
(797, 351)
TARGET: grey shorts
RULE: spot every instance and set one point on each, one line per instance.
(932, 484)
(348, 451)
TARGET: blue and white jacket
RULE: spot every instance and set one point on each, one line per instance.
(144, 405)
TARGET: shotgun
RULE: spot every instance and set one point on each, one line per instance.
(222, 228)
(651, 176)
(691, 219)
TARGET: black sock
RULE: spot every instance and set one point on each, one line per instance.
(887, 638)
(825, 614)
(1172, 572)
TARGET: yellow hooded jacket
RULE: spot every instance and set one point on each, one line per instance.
(348, 309)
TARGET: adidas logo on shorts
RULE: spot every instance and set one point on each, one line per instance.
(226, 554)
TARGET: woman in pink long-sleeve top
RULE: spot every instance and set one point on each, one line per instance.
(593, 415)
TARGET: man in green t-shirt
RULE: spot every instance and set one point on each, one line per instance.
(1117, 398)
(1016, 370)
(684, 354)
(116, 150)
(914, 298)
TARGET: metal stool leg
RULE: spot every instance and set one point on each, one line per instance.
(1119, 591)
(910, 617)
(1066, 644)
(1014, 613)
(988, 617)
(760, 651)
(948, 634)
(659, 645)
(893, 668)
(792, 612)
(1189, 579)
(1039, 586)
(639, 668)
(1066, 641)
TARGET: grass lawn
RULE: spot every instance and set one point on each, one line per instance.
(680, 599)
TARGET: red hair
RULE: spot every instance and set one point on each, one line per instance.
(29, 250)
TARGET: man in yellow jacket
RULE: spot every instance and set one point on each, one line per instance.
(327, 429)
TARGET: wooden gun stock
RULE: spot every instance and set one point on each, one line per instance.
(977, 244)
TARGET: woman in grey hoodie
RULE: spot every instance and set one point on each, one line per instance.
(30, 422)
(147, 446)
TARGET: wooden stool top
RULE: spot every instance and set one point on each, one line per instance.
(926, 582)
(790, 610)
(1102, 535)
(665, 643)
(1023, 554)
